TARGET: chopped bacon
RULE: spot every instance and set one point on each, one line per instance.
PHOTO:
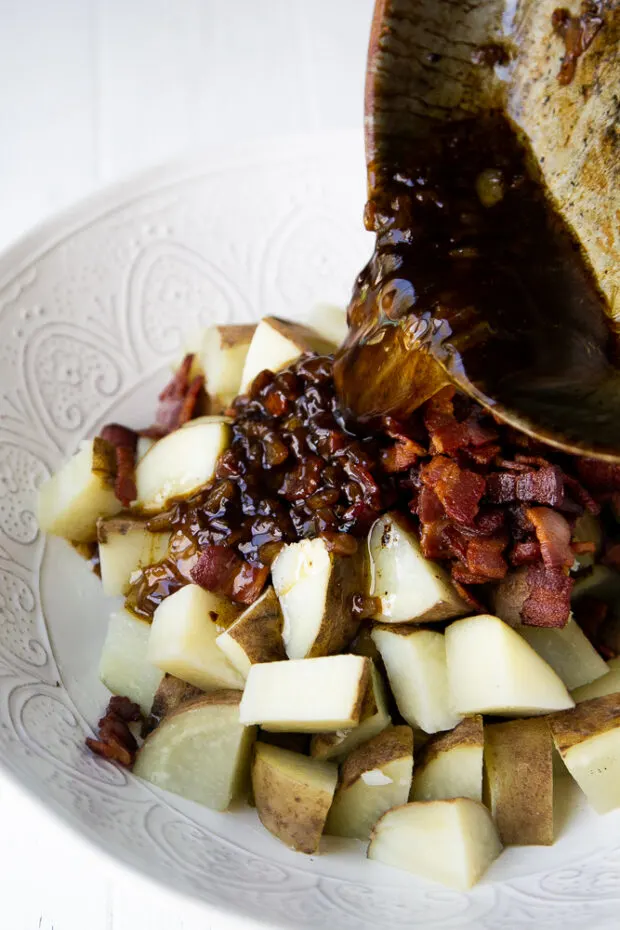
(484, 557)
(429, 507)
(548, 602)
(221, 570)
(541, 487)
(449, 435)
(525, 553)
(470, 599)
(484, 455)
(554, 534)
(464, 576)
(433, 540)
(581, 495)
(402, 455)
(115, 740)
(459, 490)
(178, 400)
(125, 442)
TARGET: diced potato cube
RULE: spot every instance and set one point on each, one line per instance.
(450, 764)
(223, 355)
(256, 636)
(183, 640)
(374, 718)
(73, 499)
(276, 343)
(125, 545)
(124, 667)
(568, 652)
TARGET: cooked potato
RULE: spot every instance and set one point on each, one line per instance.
(201, 752)
(509, 596)
(330, 322)
(374, 778)
(588, 739)
(518, 777)
(374, 718)
(183, 640)
(588, 529)
(453, 842)
(410, 587)
(568, 652)
(192, 345)
(609, 683)
(602, 582)
(123, 667)
(492, 670)
(222, 357)
(276, 343)
(293, 795)
(415, 661)
(314, 587)
(125, 544)
(144, 444)
(81, 491)
(306, 695)
(450, 764)
(364, 645)
(180, 464)
(256, 636)
(171, 693)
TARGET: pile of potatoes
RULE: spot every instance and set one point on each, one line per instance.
(289, 703)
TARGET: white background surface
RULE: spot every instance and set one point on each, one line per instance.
(91, 90)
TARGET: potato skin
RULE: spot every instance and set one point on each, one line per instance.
(590, 718)
(467, 733)
(387, 746)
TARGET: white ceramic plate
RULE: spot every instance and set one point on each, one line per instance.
(92, 307)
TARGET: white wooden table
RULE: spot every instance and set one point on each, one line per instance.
(91, 90)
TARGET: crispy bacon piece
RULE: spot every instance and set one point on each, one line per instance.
(581, 495)
(115, 740)
(548, 602)
(449, 435)
(178, 400)
(463, 575)
(525, 553)
(458, 489)
(429, 507)
(433, 540)
(402, 455)
(484, 557)
(221, 570)
(125, 442)
(598, 476)
(470, 599)
(553, 533)
(541, 487)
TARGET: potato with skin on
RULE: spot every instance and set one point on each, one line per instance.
(293, 795)
(415, 661)
(374, 778)
(183, 638)
(518, 779)
(374, 718)
(609, 683)
(276, 343)
(171, 693)
(410, 587)
(315, 589)
(221, 357)
(72, 500)
(180, 464)
(306, 695)
(492, 670)
(123, 666)
(126, 545)
(256, 635)
(588, 739)
(568, 651)
(452, 842)
(200, 751)
(450, 764)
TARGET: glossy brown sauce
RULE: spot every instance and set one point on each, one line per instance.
(475, 279)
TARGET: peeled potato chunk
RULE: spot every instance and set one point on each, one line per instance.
(374, 778)
(452, 842)
(330, 321)
(568, 652)
(124, 667)
(409, 586)
(609, 683)
(306, 695)
(125, 545)
(450, 764)
(415, 661)
(183, 639)
(276, 343)
(201, 752)
(81, 491)
(293, 795)
(374, 718)
(314, 587)
(222, 357)
(492, 670)
(256, 636)
(588, 739)
(180, 464)
(519, 781)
